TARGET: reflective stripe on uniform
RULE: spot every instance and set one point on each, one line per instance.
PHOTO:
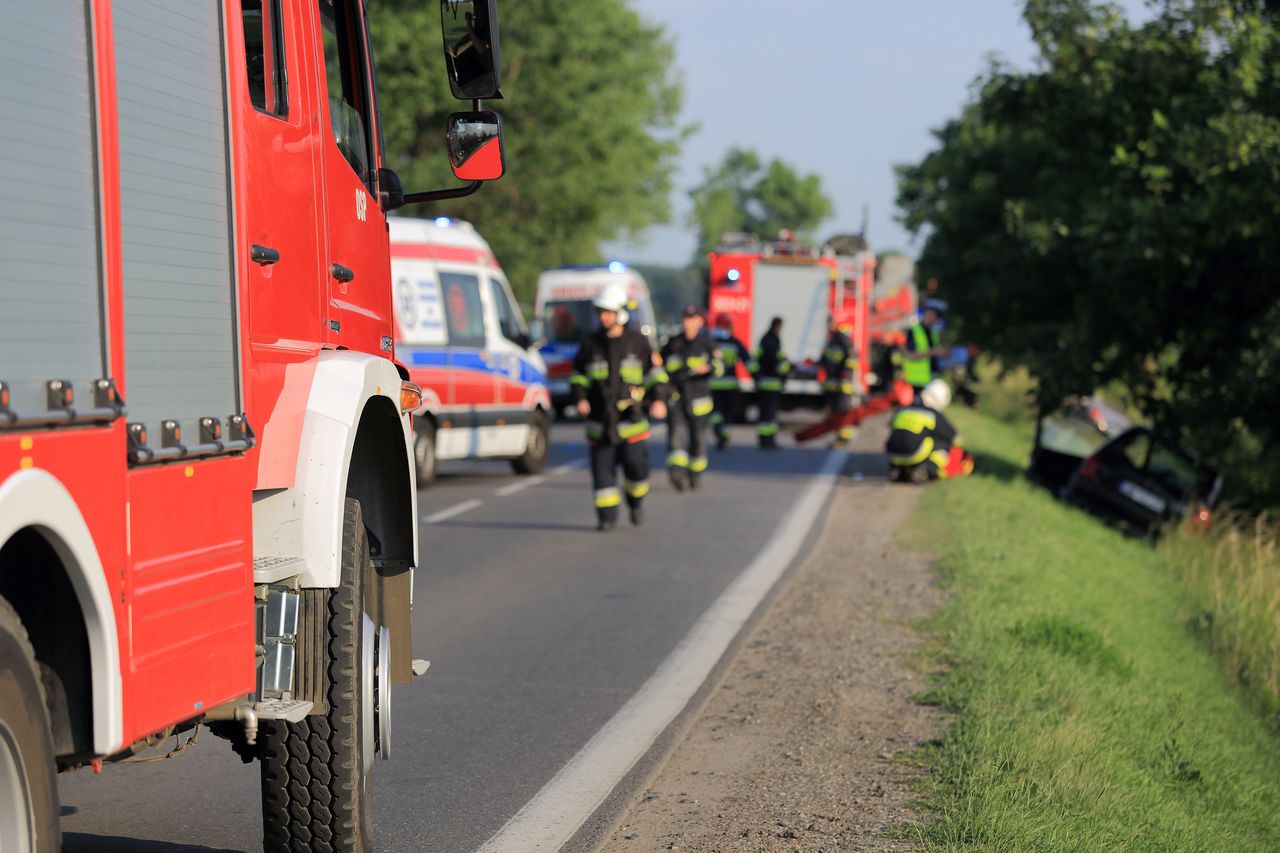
(926, 447)
(702, 406)
(594, 429)
(637, 490)
(698, 464)
(630, 431)
(675, 362)
(677, 459)
(943, 460)
(768, 428)
(769, 383)
(697, 362)
(657, 376)
(609, 497)
(716, 419)
(914, 421)
(579, 380)
(728, 382)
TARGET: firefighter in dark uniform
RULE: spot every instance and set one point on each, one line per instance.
(923, 445)
(726, 390)
(923, 347)
(691, 361)
(840, 366)
(614, 375)
(770, 367)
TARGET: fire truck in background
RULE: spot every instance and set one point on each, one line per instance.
(752, 281)
(207, 503)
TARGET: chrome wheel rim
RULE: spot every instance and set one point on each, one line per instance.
(383, 710)
(367, 721)
(17, 811)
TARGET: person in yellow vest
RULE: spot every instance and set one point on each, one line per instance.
(923, 444)
(923, 347)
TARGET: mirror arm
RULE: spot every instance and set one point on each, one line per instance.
(442, 195)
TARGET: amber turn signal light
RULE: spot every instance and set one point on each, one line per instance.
(410, 396)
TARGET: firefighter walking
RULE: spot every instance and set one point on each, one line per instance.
(691, 362)
(839, 365)
(726, 388)
(770, 367)
(614, 375)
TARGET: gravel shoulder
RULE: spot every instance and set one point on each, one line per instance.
(795, 749)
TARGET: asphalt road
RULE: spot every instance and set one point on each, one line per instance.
(538, 628)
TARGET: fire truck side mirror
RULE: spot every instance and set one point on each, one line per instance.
(390, 190)
(470, 30)
(475, 146)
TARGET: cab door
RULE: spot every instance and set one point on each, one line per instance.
(357, 260)
(513, 369)
(287, 298)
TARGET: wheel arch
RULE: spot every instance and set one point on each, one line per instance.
(41, 526)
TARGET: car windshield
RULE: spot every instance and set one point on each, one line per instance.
(567, 321)
(1070, 435)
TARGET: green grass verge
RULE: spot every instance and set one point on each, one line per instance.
(1087, 714)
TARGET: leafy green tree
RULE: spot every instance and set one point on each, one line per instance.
(590, 111)
(745, 194)
(1109, 216)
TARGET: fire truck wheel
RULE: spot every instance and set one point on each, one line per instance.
(317, 774)
(424, 451)
(28, 783)
(538, 448)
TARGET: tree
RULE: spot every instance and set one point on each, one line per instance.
(743, 194)
(1108, 215)
(591, 130)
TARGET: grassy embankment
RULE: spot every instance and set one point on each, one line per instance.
(1088, 713)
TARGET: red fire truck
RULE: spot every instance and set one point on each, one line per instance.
(207, 503)
(753, 281)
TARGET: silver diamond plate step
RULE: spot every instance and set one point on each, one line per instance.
(290, 710)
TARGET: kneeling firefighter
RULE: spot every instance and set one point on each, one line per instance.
(922, 442)
(614, 374)
(691, 360)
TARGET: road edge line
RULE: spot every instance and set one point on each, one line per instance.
(555, 814)
(453, 511)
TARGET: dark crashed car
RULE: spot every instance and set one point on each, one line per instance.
(1141, 483)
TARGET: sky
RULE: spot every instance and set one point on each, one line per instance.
(841, 88)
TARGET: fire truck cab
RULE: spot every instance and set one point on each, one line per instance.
(207, 503)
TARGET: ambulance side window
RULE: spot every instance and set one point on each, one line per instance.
(345, 65)
(463, 309)
(510, 322)
(264, 55)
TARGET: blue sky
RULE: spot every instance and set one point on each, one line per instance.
(846, 96)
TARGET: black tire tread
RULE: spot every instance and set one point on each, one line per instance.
(529, 465)
(312, 800)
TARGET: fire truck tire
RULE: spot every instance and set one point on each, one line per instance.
(317, 774)
(424, 452)
(28, 775)
(539, 447)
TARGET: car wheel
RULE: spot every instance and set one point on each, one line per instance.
(317, 774)
(28, 784)
(538, 449)
(424, 452)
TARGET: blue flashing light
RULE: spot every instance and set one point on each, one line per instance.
(734, 275)
(443, 222)
(617, 267)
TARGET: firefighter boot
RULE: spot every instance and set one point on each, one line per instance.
(637, 514)
(677, 475)
(606, 521)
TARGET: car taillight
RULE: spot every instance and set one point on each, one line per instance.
(1089, 468)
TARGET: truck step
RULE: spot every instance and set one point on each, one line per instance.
(276, 569)
(290, 710)
(420, 667)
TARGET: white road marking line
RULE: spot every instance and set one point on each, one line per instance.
(568, 467)
(452, 512)
(556, 812)
(519, 486)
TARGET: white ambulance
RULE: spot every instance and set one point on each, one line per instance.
(564, 315)
(462, 337)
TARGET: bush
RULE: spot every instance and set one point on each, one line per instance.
(1007, 394)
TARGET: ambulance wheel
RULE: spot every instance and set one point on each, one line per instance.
(538, 448)
(424, 451)
(317, 774)
(28, 784)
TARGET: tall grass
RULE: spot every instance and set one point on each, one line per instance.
(1232, 578)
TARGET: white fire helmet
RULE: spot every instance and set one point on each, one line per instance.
(613, 298)
(936, 395)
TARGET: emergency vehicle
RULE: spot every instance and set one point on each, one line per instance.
(207, 503)
(564, 315)
(464, 340)
(752, 281)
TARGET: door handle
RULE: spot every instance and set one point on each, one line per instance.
(264, 255)
(341, 273)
